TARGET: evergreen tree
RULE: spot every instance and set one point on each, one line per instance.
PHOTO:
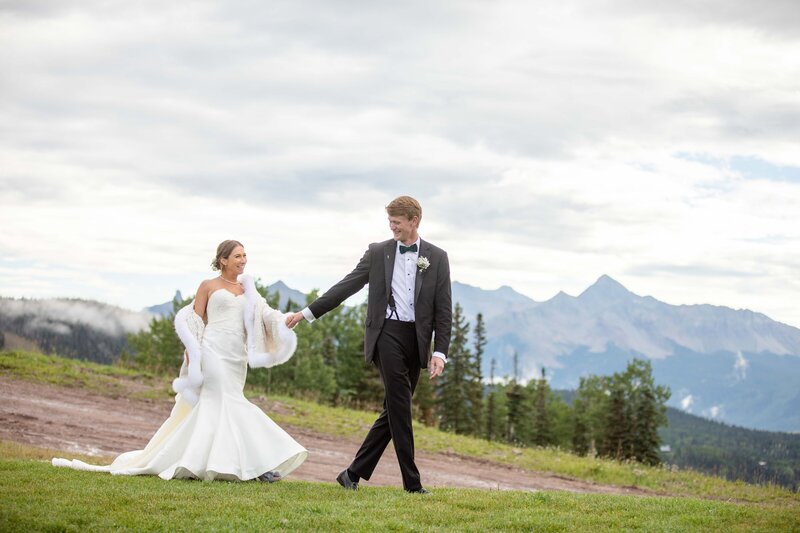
(158, 348)
(647, 410)
(424, 400)
(475, 384)
(516, 421)
(580, 434)
(617, 423)
(492, 419)
(306, 374)
(562, 424)
(645, 439)
(591, 402)
(542, 430)
(357, 383)
(453, 390)
(515, 427)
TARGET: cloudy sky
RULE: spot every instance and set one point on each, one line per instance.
(656, 142)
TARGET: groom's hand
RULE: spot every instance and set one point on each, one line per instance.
(294, 319)
(436, 366)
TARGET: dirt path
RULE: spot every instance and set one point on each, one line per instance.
(75, 421)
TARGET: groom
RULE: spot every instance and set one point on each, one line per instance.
(409, 300)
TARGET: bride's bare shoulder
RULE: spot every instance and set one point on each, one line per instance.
(208, 285)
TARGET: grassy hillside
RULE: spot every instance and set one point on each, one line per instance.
(732, 452)
(342, 422)
(38, 497)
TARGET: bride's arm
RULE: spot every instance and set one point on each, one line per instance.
(201, 299)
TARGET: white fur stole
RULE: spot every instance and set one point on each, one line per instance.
(190, 328)
(269, 341)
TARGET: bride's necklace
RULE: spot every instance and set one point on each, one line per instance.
(229, 281)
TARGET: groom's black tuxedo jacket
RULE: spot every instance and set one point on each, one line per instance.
(432, 298)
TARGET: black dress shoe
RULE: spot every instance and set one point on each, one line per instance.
(420, 490)
(345, 481)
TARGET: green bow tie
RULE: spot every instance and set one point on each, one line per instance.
(412, 248)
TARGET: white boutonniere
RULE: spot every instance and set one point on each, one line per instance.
(423, 263)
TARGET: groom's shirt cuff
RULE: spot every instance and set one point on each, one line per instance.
(440, 355)
(308, 315)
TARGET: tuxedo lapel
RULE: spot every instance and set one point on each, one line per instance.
(389, 251)
(424, 251)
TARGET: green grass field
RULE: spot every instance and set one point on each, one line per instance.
(34, 496)
(38, 497)
(343, 422)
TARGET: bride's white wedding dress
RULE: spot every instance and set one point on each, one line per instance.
(223, 436)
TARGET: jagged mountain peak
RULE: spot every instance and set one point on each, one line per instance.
(560, 297)
(605, 288)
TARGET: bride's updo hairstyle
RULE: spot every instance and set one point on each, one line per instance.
(223, 252)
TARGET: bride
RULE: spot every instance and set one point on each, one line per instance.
(213, 432)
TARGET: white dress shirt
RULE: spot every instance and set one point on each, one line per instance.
(404, 279)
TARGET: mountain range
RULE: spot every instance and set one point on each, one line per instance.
(734, 366)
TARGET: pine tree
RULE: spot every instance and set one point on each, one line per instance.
(516, 426)
(591, 400)
(453, 389)
(647, 410)
(617, 424)
(475, 385)
(306, 374)
(542, 429)
(349, 368)
(645, 439)
(492, 419)
(158, 348)
(424, 400)
(515, 433)
(580, 434)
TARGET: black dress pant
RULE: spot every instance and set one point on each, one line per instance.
(397, 359)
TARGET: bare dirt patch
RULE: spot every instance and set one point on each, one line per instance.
(75, 421)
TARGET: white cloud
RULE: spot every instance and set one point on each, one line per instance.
(136, 136)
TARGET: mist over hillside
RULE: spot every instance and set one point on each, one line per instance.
(82, 329)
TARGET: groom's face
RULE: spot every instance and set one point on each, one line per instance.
(404, 229)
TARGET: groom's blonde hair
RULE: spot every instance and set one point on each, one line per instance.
(404, 206)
